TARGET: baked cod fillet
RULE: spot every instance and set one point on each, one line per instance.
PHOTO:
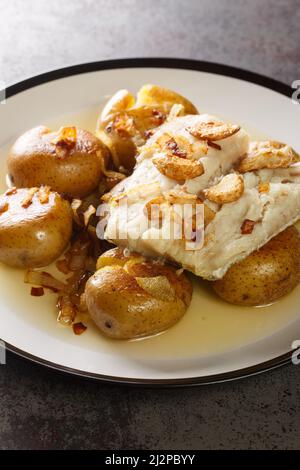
(248, 194)
(187, 153)
(190, 151)
(269, 204)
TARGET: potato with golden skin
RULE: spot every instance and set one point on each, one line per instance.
(125, 122)
(131, 297)
(266, 274)
(150, 95)
(33, 233)
(116, 256)
(70, 160)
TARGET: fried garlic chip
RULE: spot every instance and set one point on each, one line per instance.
(177, 168)
(229, 189)
(268, 154)
(213, 130)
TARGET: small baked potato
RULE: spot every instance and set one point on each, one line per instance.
(130, 296)
(125, 122)
(150, 95)
(266, 274)
(35, 227)
(70, 160)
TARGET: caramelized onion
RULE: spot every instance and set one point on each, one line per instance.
(62, 266)
(78, 252)
(43, 279)
(88, 214)
(75, 205)
(44, 193)
(37, 291)
(66, 310)
(79, 328)
(76, 282)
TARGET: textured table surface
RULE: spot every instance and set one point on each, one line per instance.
(42, 409)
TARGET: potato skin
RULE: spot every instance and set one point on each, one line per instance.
(266, 274)
(123, 310)
(34, 236)
(116, 256)
(33, 161)
(150, 94)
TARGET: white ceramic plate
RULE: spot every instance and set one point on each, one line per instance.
(215, 341)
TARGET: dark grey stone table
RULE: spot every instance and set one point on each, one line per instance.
(42, 409)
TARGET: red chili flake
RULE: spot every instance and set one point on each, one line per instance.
(214, 145)
(172, 145)
(247, 226)
(37, 291)
(158, 116)
(79, 328)
(66, 137)
(148, 133)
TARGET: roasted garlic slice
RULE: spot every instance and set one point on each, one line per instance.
(229, 189)
(177, 146)
(177, 168)
(268, 154)
(213, 130)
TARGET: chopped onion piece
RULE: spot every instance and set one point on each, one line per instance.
(77, 261)
(115, 175)
(62, 266)
(75, 205)
(79, 328)
(37, 291)
(82, 304)
(90, 264)
(28, 199)
(179, 272)
(76, 282)
(78, 253)
(88, 214)
(44, 193)
(67, 310)
(43, 279)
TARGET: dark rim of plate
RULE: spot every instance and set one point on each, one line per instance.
(169, 63)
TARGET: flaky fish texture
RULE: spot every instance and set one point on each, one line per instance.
(203, 161)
